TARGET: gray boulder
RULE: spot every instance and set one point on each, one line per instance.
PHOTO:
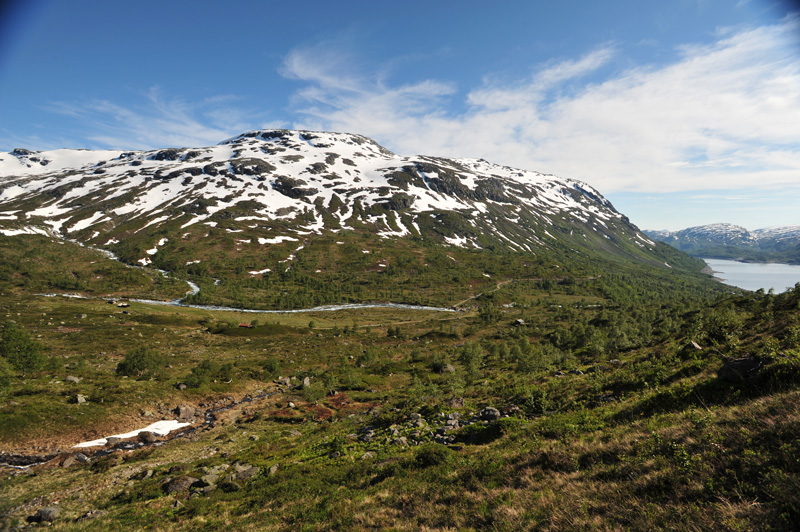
(740, 370)
(147, 437)
(489, 414)
(185, 412)
(47, 514)
(181, 484)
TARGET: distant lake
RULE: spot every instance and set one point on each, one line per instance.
(752, 276)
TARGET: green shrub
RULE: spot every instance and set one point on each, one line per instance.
(20, 350)
(6, 374)
(432, 454)
(141, 362)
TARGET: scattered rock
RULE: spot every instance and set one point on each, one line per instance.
(68, 461)
(455, 402)
(113, 440)
(181, 484)
(181, 386)
(306, 382)
(184, 412)
(92, 514)
(47, 514)
(273, 469)
(210, 479)
(740, 370)
(402, 441)
(147, 437)
(141, 475)
(73, 379)
(82, 458)
(80, 399)
(247, 472)
(575, 372)
(489, 414)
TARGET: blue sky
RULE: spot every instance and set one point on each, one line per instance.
(681, 113)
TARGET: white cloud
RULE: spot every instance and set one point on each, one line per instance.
(724, 115)
(158, 121)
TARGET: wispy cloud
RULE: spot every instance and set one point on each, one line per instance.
(724, 115)
(158, 121)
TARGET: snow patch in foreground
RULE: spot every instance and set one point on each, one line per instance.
(162, 428)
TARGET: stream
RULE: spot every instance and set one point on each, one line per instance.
(194, 289)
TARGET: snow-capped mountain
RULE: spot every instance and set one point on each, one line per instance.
(724, 240)
(277, 186)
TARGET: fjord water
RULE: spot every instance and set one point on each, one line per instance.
(752, 276)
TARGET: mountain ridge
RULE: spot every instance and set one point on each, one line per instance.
(262, 204)
(729, 241)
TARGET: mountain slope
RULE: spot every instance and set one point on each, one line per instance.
(269, 202)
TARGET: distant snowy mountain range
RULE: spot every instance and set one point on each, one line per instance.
(728, 241)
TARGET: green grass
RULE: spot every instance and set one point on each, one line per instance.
(651, 439)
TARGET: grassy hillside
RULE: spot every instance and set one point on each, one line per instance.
(607, 416)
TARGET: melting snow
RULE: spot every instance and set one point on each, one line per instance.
(162, 428)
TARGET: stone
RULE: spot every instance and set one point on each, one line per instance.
(80, 399)
(489, 414)
(180, 484)
(455, 402)
(402, 441)
(181, 386)
(575, 372)
(73, 379)
(146, 437)
(141, 475)
(92, 514)
(68, 461)
(210, 479)
(47, 514)
(253, 437)
(184, 412)
(273, 469)
(740, 370)
(367, 455)
(306, 382)
(113, 440)
(82, 458)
